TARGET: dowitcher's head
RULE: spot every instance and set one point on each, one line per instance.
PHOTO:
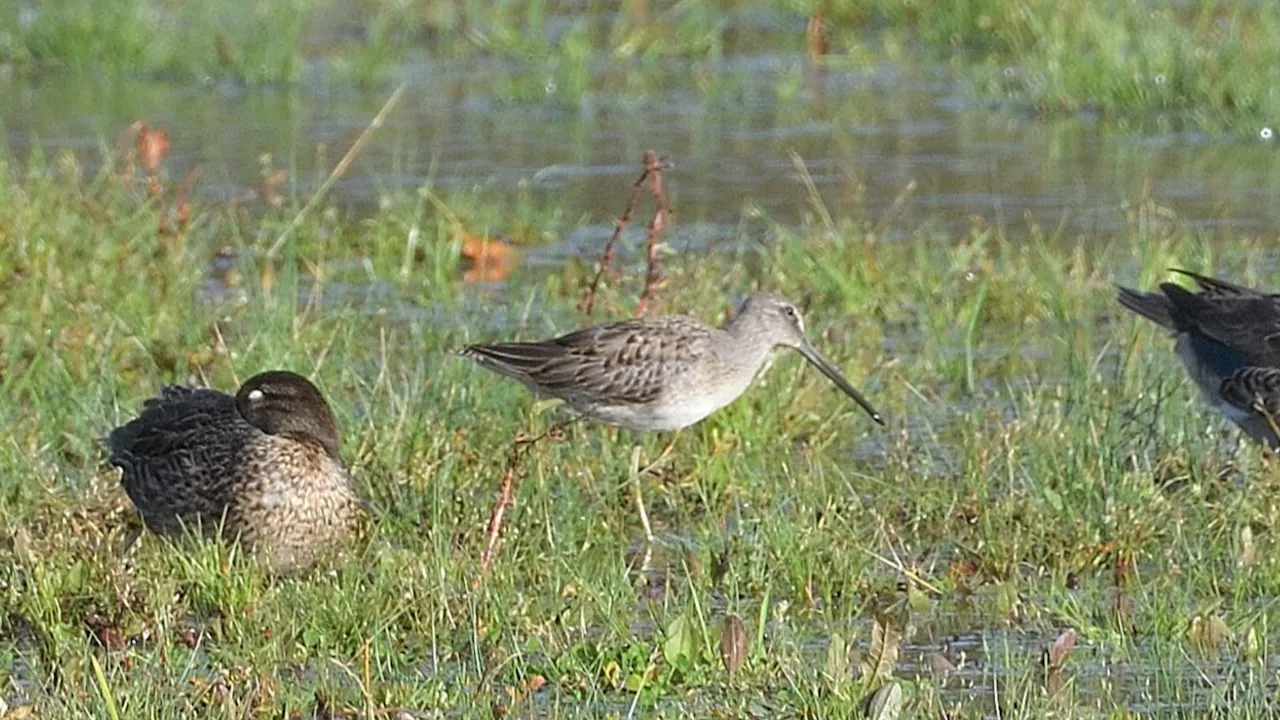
(772, 318)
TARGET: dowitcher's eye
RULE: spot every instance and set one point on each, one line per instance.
(255, 395)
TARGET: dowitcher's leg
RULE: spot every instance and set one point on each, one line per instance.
(635, 482)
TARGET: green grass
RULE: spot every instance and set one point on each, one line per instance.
(1208, 65)
(1040, 443)
(1203, 64)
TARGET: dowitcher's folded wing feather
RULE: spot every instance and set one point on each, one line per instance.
(1237, 323)
(624, 362)
(1215, 286)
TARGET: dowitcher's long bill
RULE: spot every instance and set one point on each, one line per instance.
(1226, 336)
(810, 353)
(661, 374)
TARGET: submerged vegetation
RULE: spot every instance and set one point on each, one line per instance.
(1052, 524)
(1211, 64)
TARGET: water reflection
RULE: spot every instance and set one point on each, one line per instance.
(730, 128)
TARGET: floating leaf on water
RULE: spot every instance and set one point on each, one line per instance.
(733, 644)
(886, 703)
(1056, 656)
(882, 655)
(837, 659)
(1248, 548)
(1062, 646)
(942, 667)
(680, 647)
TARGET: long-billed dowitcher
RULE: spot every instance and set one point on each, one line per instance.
(262, 466)
(660, 374)
(1228, 338)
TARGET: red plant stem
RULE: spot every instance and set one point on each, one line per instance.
(519, 447)
(495, 520)
(653, 169)
(589, 299)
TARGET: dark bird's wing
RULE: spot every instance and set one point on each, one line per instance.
(177, 457)
(1152, 306)
(623, 363)
(1215, 286)
(1225, 320)
(1255, 389)
(1255, 392)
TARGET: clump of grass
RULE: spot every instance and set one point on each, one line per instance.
(1205, 63)
(1046, 467)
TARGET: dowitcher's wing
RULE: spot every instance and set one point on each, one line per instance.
(626, 362)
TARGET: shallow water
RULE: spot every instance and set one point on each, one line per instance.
(865, 135)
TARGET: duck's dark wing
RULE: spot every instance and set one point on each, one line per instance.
(620, 363)
(179, 455)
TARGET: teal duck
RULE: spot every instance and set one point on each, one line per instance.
(262, 467)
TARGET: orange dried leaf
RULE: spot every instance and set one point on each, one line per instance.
(269, 188)
(1062, 646)
(488, 259)
(152, 145)
(815, 36)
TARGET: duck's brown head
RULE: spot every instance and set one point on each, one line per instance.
(279, 402)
